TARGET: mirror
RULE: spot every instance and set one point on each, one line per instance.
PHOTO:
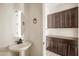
(19, 24)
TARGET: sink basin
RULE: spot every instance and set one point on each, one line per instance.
(20, 47)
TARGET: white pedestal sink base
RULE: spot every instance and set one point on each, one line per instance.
(22, 53)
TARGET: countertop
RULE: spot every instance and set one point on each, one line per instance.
(64, 37)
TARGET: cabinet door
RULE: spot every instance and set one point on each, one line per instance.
(52, 43)
(48, 43)
(53, 21)
(71, 50)
(49, 21)
(55, 45)
(62, 48)
(69, 18)
(57, 20)
(61, 20)
(66, 19)
(74, 17)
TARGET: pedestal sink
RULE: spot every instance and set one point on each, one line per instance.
(20, 47)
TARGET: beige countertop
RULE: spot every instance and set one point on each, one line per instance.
(64, 37)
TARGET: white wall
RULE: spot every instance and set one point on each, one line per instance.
(6, 17)
(78, 30)
(57, 7)
(35, 31)
(26, 30)
(26, 14)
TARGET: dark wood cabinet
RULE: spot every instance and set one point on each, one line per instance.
(48, 43)
(51, 23)
(67, 20)
(54, 46)
(72, 48)
(62, 47)
(64, 19)
(57, 20)
(74, 17)
(61, 15)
